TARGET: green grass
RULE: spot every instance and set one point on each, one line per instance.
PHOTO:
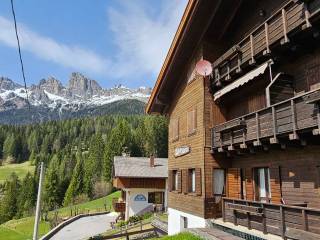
(20, 169)
(22, 229)
(180, 236)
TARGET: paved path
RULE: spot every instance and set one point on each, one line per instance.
(85, 227)
(213, 234)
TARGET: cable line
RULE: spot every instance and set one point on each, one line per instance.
(19, 49)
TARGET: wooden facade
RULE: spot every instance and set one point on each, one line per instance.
(260, 139)
(125, 183)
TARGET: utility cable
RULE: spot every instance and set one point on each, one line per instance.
(19, 50)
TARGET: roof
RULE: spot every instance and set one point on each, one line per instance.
(170, 54)
(139, 167)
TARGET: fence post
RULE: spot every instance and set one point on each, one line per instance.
(282, 227)
(223, 210)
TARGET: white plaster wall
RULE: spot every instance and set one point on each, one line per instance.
(134, 207)
(174, 221)
(137, 206)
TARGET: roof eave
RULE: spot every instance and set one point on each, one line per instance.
(173, 48)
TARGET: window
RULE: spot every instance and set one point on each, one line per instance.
(219, 180)
(175, 179)
(175, 129)
(155, 197)
(192, 121)
(192, 180)
(262, 184)
(183, 223)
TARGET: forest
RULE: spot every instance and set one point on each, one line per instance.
(78, 156)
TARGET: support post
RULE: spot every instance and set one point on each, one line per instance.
(274, 140)
(252, 61)
(257, 142)
(285, 27)
(282, 226)
(266, 30)
(294, 135)
(37, 217)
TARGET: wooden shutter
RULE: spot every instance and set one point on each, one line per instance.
(198, 181)
(179, 181)
(275, 185)
(170, 180)
(249, 184)
(185, 180)
(192, 121)
(175, 129)
(234, 183)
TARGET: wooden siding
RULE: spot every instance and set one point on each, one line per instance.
(189, 97)
(299, 168)
(157, 183)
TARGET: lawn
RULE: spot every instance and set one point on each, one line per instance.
(20, 169)
(22, 229)
(180, 236)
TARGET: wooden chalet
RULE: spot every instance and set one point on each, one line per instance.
(244, 141)
(143, 185)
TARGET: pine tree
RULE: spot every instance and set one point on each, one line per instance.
(76, 184)
(9, 148)
(27, 196)
(9, 206)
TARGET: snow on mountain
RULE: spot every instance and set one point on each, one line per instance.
(80, 92)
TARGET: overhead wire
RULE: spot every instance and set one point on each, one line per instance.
(19, 50)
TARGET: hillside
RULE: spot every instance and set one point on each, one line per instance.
(20, 169)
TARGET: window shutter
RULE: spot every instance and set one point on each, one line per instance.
(249, 184)
(275, 187)
(185, 180)
(175, 129)
(179, 181)
(234, 183)
(192, 121)
(194, 115)
(170, 180)
(198, 181)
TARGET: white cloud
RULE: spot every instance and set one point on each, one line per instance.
(143, 38)
(48, 49)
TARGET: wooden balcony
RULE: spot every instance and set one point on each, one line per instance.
(118, 206)
(292, 18)
(288, 221)
(283, 120)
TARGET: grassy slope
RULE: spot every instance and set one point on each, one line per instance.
(20, 169)
(181, 236)
(22, 229)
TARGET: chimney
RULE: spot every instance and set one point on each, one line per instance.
(152, 160)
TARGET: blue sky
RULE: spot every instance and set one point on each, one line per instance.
(111, 41)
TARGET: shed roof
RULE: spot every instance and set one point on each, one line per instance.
(139, 167)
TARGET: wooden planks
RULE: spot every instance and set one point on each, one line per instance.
(286, 117)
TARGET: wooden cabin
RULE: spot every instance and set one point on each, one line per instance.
(143, 185)
(244, 140)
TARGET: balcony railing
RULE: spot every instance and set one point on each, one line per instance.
(288, 221)
(118, 206)
(286, 118)
(291, 18)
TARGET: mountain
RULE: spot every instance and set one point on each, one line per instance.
(51, 100)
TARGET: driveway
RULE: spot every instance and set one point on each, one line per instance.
(86, 227)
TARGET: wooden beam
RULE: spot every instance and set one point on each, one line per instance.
(285, 27)
(307, 17)
(266, 31)
(294, 135)
(252, 60)
(257, 142)
(274, 140)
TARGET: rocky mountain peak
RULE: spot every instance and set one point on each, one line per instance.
(83, 86)
(8, 84)
(51, 85)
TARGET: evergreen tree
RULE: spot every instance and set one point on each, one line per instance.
(10, 148)
(8, 204)
(76, 184)
(27, 196)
